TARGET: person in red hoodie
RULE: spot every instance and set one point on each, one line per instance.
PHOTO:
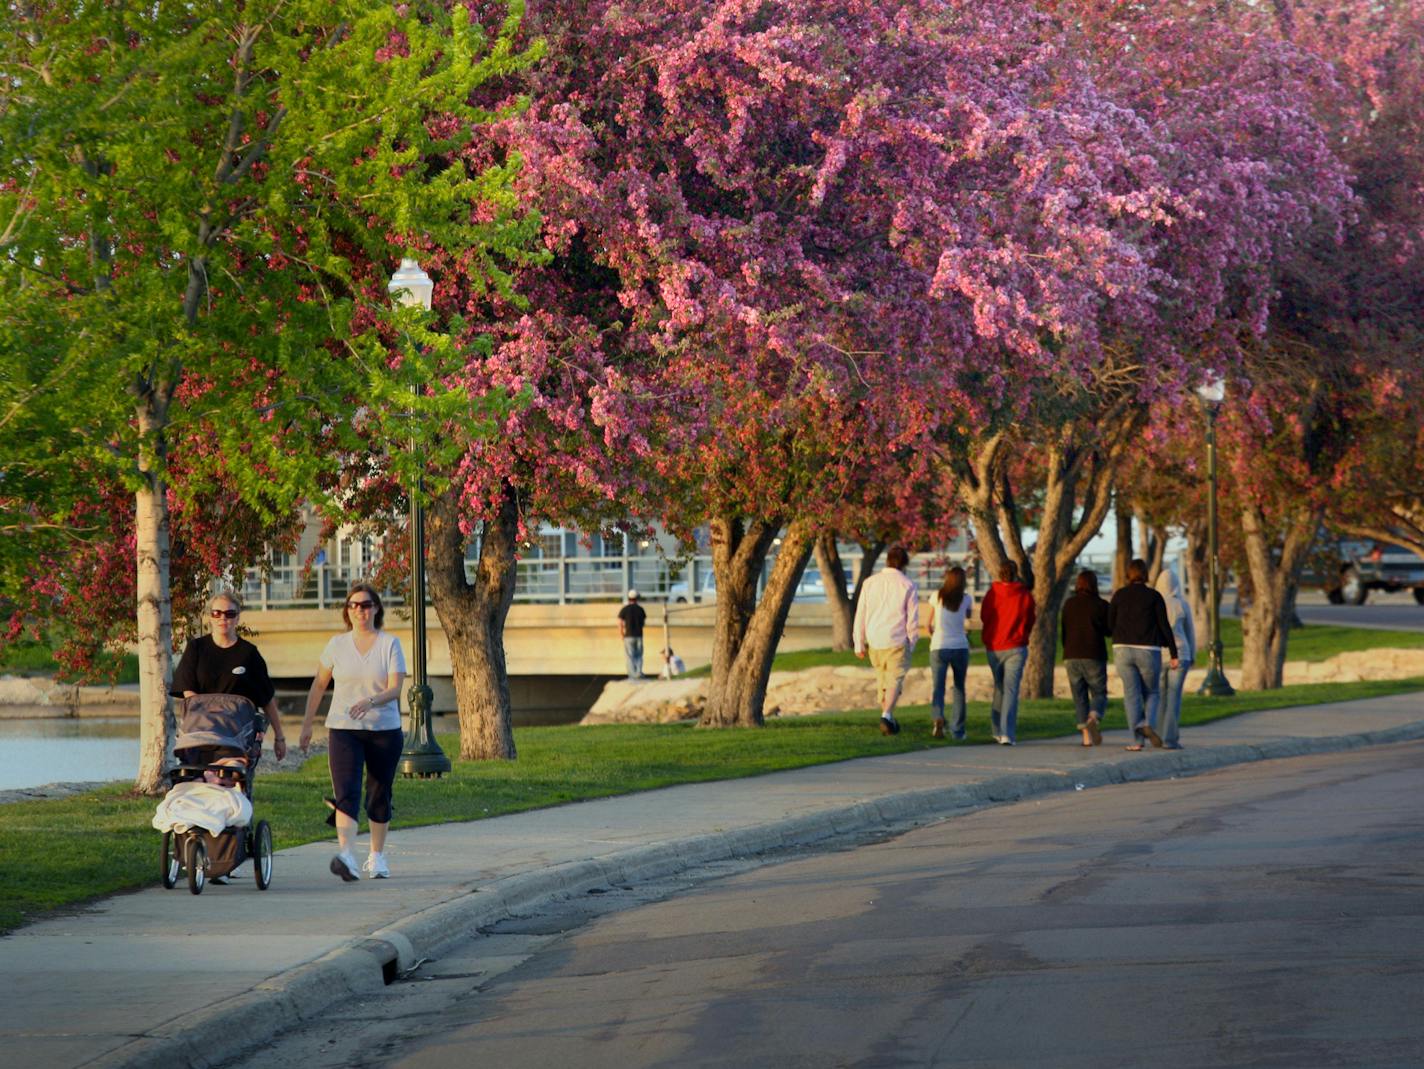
(1007, 616)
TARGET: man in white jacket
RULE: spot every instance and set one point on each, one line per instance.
(887, 623)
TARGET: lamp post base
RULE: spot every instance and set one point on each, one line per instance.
(1216, 685)
(422, 757)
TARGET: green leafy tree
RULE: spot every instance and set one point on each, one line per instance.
(199, 208)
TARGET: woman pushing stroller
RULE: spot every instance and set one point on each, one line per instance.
(222, 662)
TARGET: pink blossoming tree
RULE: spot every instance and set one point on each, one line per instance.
(1242, 174)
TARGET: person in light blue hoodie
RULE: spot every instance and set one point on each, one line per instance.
(1179, 614)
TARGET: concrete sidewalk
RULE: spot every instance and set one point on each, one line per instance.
(168, 978)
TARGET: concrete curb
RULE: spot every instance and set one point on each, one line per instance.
(208, 1038)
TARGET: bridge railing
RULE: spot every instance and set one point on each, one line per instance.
(569, 580)
(537, 581)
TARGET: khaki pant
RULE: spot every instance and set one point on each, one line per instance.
(890, 667)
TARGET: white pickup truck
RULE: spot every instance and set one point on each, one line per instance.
(1367, 566)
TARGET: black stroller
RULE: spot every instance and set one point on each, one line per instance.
(219, 742)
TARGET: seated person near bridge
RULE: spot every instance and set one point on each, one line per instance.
(672, 664)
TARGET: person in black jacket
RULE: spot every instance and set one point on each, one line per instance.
(1137, 622)
(1085, 654)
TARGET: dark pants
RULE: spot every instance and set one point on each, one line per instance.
(378, 754)
(1088, 682)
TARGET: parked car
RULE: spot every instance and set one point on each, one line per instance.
(1366, 566)
(682, 592)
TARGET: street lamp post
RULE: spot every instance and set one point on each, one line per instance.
(1216, 685)
(422, 755)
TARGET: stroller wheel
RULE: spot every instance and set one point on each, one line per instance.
(196, 862)
(171, 865)
(262, 854)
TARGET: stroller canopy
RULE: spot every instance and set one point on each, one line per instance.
(228, 721)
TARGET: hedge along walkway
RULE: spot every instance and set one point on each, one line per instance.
(62, 852)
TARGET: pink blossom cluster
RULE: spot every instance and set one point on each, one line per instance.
(796, 252)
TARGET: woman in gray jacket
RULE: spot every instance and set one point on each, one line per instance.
(1179, 614)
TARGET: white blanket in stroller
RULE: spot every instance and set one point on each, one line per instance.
(194, 804)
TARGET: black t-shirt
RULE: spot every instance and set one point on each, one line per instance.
(632, 616)
(207, 668)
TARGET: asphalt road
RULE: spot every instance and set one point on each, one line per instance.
(1393, 612)
(1266, 915)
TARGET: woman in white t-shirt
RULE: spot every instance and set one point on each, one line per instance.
(949, 648)
(363, 727)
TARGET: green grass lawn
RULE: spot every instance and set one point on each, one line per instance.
(60, 853)
(1319, 642)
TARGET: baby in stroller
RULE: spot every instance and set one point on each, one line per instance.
(206, 816)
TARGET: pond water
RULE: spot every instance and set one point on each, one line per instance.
(70, 750)
(36, 752)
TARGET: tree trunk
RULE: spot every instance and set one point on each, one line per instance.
(980, 484)
(473, 616)
(1151, 547)
(1072, 472)
(1122, 550)
(1196, 582)
(154, 609)
(828, 560)
(1275, 577)
(1049, 588)
(747, 630)
(869, 554)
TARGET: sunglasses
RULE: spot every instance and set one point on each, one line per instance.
(225, 614)
(360, 604)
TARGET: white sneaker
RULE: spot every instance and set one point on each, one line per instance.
(344, 865)
(1004, 740)
(376, 868)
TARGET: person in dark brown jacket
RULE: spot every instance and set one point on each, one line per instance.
(1085, 654)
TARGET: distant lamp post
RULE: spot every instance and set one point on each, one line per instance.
(1216, 685)
(422, 756)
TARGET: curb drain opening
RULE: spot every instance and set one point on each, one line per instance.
(390, 972)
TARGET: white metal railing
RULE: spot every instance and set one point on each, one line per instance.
(570, 580)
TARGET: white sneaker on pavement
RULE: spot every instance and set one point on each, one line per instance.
(376, 867)
(344, 865)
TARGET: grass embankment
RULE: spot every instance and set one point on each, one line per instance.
(61, 852)
(26, 657)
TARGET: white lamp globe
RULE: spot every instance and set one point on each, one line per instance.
(411, 286)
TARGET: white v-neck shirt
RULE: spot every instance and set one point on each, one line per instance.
(359, 675)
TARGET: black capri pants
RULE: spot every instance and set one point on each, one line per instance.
(378, 752)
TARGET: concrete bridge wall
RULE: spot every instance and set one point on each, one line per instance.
(539, 641)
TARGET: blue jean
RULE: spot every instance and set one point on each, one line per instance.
(633, 651)
(1169, 702)
(1088, 683)
(1006, 666)
(942, 662)
(1139, 671)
